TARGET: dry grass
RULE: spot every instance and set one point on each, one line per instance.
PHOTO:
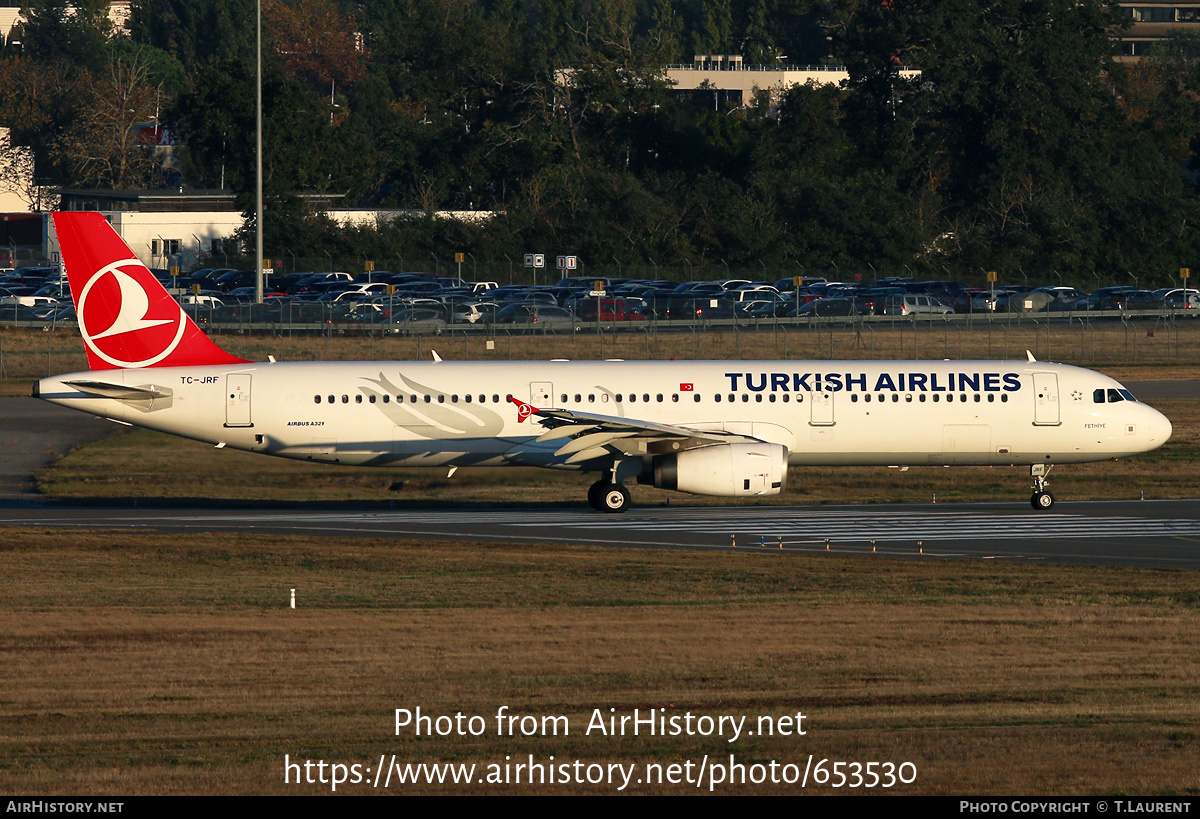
(136, 664)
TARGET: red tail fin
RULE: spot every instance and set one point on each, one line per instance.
(127, 318)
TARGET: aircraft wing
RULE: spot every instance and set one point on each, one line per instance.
(588, 435)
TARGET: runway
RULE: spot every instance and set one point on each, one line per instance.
(1152, 534)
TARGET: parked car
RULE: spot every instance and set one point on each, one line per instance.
(1056, 298)
(201, 300)
(832, 306)
(606, 310)
(1141, 300)
(539, 316)
(1106, 298)
(416, 320)
(1177, 298)
(915, 304)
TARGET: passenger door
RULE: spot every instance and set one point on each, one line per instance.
(1045, 391)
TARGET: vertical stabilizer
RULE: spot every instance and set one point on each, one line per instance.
(127, 318)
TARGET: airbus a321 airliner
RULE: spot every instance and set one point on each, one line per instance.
(727, 428)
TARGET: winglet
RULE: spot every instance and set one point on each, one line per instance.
(523, 410)
(1031, 358)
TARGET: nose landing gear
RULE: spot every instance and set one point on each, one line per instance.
(1040, 500)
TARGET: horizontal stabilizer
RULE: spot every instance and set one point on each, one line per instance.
(120, 391)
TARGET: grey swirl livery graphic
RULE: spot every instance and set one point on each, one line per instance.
(433, 419)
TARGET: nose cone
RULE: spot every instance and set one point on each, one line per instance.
(1158, 429)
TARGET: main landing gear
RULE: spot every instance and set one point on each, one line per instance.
(1040, 499)
(606, 496)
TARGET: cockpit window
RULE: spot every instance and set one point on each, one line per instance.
(1112, 396)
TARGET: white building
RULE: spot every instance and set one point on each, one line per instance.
(168, 228)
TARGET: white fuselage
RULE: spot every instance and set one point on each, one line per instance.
(400, 413)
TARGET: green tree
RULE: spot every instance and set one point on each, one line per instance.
(196, 34)
(76, 33)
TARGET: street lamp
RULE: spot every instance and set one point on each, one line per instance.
(258, 163)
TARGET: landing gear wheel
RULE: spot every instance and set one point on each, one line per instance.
(614, 498)
(1041, 501)
(594, 495)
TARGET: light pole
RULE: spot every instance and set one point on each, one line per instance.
(258, 163)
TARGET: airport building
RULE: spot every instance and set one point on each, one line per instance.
(1151, 23)
(735, 83)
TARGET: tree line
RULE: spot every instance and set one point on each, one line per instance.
(1022, 146)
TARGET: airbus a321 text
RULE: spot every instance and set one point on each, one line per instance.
(727, 428)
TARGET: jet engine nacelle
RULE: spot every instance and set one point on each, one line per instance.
(728, 470)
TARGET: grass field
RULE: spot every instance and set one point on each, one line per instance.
(139, 664)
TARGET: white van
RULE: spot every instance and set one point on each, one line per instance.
(914, 304)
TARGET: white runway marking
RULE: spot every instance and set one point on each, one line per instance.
(801, 526)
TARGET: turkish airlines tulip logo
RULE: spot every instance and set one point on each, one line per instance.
(523, 410)
(119, 324)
